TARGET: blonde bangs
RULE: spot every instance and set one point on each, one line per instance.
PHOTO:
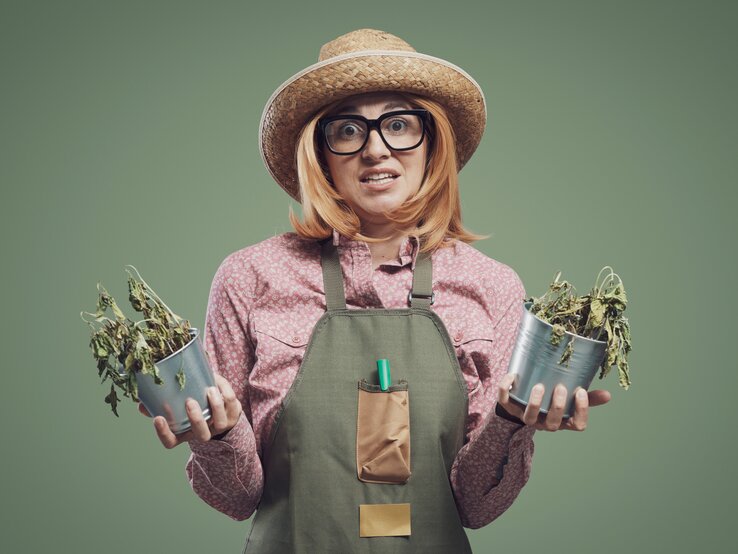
(433, 213)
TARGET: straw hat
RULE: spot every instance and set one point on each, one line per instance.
(366, 60)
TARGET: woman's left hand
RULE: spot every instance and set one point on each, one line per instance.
(553, 421)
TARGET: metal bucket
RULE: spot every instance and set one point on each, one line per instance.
(167, 399)
(535, 360)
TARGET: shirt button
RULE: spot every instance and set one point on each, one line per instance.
(458, 336)
(295, 339)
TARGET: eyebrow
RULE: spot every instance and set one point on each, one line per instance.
(393, 104)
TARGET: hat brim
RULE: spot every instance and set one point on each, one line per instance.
(303, 94)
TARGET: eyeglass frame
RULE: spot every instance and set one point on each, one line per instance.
(425, 119)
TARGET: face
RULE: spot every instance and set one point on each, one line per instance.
(370, 198)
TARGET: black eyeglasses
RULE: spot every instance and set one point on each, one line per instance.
(399, 130)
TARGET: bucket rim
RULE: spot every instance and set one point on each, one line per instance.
(527, 306)
(194, 334)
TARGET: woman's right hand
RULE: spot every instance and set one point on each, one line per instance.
(553, 420)
(224, 407)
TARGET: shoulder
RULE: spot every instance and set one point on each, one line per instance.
(495, 279)
(257, 263)
(284, 246)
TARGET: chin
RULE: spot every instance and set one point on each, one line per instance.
(384, 203)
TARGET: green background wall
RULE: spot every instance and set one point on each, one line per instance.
(128, 134)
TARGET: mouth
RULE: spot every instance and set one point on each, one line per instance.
(379, 182)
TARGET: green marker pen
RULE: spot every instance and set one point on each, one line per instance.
(383, 368)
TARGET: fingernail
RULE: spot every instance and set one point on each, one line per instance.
(581, 394)
(190, 403)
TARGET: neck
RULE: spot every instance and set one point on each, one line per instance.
(389, 248)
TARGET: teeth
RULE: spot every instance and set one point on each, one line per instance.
(379, 181)
(379, 177)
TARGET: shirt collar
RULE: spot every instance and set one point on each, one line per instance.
(408, 248)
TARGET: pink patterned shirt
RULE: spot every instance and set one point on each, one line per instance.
(264, 302)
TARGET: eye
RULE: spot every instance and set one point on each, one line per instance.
(349, 130)
(396, 125)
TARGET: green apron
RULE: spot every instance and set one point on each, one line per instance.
(313, 488)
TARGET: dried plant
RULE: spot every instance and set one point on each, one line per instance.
(122, 347)
(597, 315)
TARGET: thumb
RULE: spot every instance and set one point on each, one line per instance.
(599, 397)
(143, 410)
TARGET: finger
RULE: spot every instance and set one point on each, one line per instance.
(503, 388)
(503, 396)
(599, 397)
(167, 438)
(200, 428)
(578, 422)
(168, 413)
(530, 416)
(143, 410)
(218, 417)
(232, 404)
(556, 411)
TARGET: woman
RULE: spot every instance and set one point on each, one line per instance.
(369, 140)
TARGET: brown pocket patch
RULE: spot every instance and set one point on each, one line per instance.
(383, 434)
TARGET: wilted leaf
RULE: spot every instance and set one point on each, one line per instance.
(596, 314)
(113, 400)
(557, 333)
(181, 378)
(567, 353)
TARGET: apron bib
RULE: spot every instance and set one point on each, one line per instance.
(352, 468)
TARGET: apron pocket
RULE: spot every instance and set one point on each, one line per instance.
(383, 434)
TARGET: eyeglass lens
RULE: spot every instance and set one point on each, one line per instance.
(400, 131)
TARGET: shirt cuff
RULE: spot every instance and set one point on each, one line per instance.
(236, 438)
(504, 414)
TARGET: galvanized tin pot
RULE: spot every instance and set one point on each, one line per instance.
(167, 399)
(535, 360)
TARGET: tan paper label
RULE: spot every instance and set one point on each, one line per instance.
(384, 520)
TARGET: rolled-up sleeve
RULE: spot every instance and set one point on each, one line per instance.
(227, 473)
(495, 462)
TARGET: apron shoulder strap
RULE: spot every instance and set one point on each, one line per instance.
(421, 295)
(335, 298)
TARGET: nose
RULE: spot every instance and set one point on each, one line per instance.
(375, 147)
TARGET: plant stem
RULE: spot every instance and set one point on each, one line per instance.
(154, 295)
